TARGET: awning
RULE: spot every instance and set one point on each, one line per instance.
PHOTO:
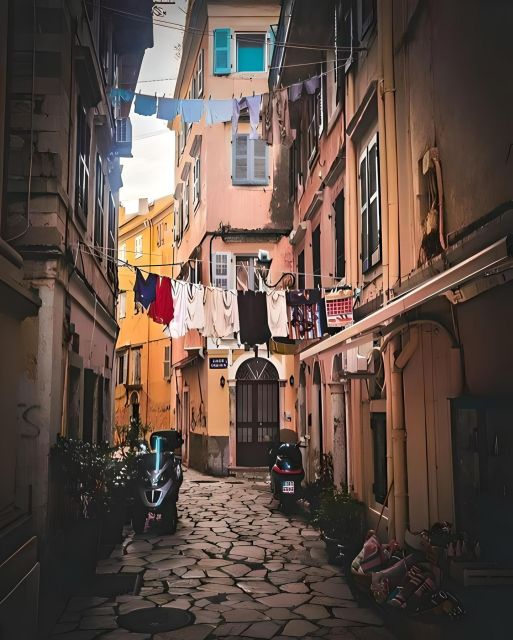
(467, 270)
(185, 362)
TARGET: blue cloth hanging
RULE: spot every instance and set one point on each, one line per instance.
(145, 105)
(191, 110)
(218, 111)
(168, 108)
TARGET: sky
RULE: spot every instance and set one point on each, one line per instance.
(150, 173)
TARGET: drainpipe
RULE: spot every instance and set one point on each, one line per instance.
(383, 172)
(388, 90)
(398, 361)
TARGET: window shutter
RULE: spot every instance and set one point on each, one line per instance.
(364, 210)
(259, 161)
(240, 159)
(167, 363)
(186, 204)
(125, 367)
(271, 40)
(222, 45)
(223, 272)
(201, 65)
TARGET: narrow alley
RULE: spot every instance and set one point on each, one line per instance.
(238, 565)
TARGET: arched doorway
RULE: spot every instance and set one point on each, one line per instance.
(257, 411)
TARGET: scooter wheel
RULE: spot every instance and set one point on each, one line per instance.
(170, 518)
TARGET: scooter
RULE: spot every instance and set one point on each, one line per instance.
(287, 474)
(159, 476)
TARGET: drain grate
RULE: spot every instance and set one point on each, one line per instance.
(155, 620)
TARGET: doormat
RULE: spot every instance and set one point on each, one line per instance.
(108, 585)
(155, 620)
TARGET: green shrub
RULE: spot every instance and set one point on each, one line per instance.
(340, 515)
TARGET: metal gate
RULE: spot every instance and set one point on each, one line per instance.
(258, 412)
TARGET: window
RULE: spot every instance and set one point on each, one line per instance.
(122, 305)
(222, 270)
(379, 448)
(161, 233)
(315, 126)
(316, 256)
(200, 84)
(122, 367)
(136, 366)
(186, 206)
(369, 205)
(138, 246)
(340, 258)
(251, 51)
(167, 362)
(222, 46)
(197, 181)
(122, 254)
(178, 222)
(82, 166)
(246, 276)
(301, 270)
(99, 199)
(249, 161)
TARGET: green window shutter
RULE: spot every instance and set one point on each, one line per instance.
(222, 51)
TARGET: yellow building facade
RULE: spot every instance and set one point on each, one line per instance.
(143, 351)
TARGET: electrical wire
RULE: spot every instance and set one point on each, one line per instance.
(160, 22)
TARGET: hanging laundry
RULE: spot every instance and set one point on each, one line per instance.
(195, 314)
(177, 327)
(218, 111)
(236, 109)
(267, 118)
(161, 310)
(226, 318)
(281, 119)
(145, 105)
(191, 110)
(145, 289)
(309, 86)
(253, 104)
(209, 311)
(312, 85)
(277, 318)
(254, 329)
(295, 91)
(304, 314)
(168, 108)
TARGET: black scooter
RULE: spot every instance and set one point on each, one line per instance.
(159, 476)
(287, 474)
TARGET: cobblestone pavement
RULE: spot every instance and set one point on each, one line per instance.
(240, 566)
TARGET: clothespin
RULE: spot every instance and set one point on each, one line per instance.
(253, 93)
(210, 96)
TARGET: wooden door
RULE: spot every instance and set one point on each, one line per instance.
(258, 412)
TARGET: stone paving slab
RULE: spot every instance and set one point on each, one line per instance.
(239, 565)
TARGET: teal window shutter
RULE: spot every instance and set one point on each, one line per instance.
(271, 40)
(222, 50)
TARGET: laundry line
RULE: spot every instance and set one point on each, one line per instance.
(104, 251)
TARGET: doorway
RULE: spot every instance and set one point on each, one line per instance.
(257, 411)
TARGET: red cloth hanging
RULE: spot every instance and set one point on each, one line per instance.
(162, 310)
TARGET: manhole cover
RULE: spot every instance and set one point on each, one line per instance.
(155, 620)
